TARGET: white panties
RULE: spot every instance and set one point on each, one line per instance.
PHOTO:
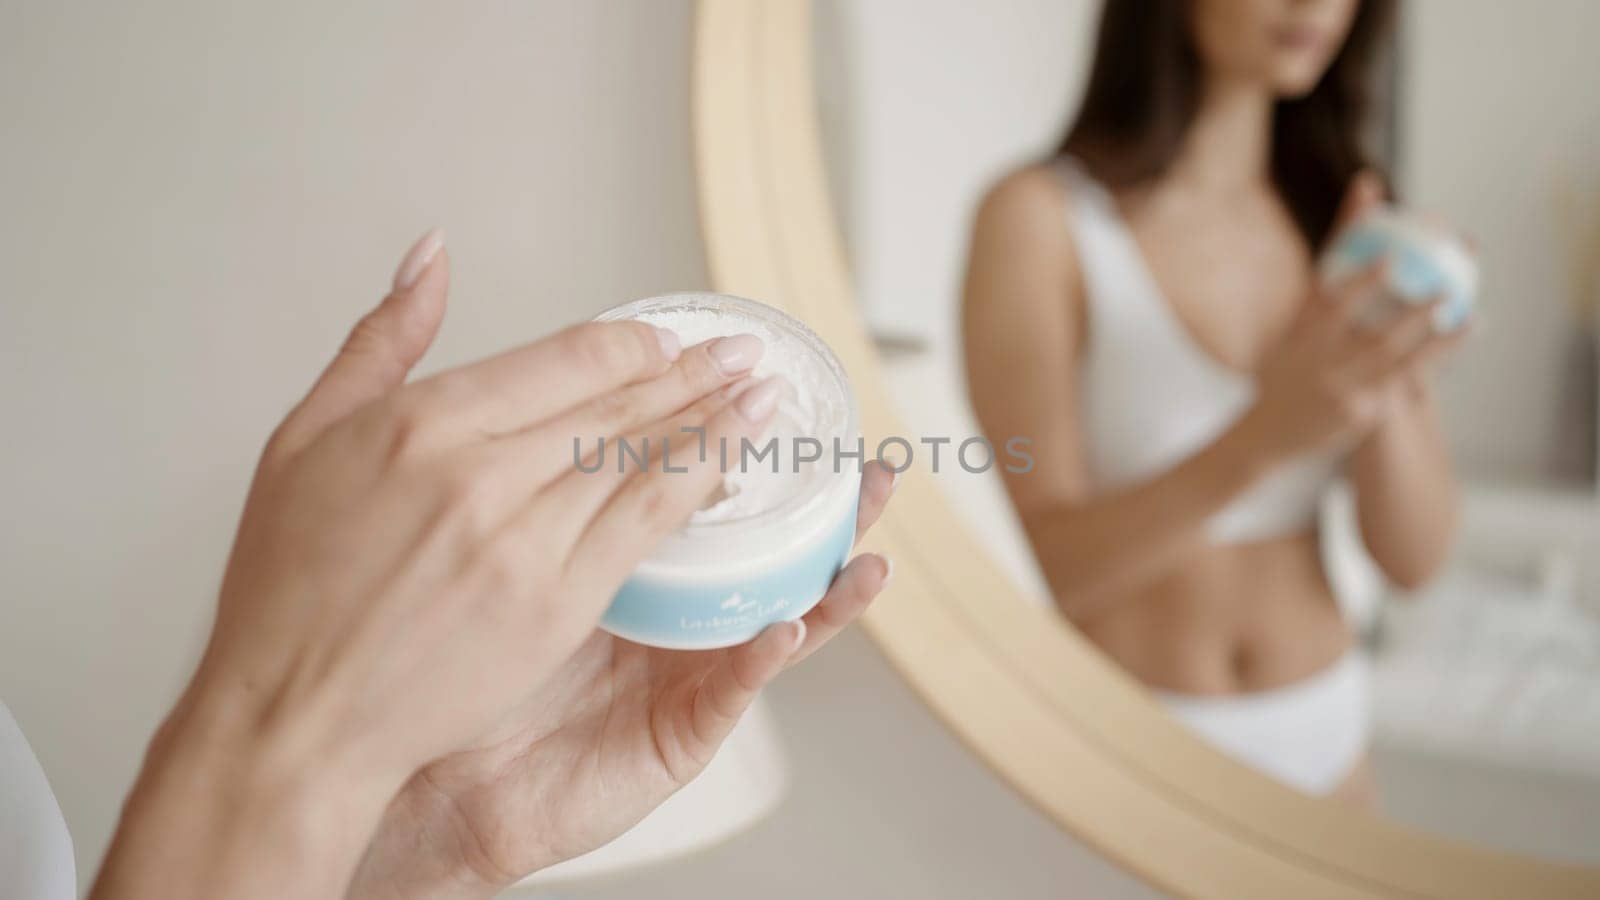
(1309, 734)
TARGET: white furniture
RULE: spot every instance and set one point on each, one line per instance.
(1499, 659)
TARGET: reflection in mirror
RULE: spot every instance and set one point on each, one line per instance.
(1301, 471)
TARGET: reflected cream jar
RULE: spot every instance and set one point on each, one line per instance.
(765, 545)
(1426, 260)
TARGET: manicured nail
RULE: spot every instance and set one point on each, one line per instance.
(756, 404)
(888, 569)
(735, 354)
(799, 635)
(417, 259)
(671, 347)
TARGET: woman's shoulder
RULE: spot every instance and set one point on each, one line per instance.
(1024, 220)
(1031, 196)
(1023, 260)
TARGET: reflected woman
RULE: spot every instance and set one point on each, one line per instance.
(1144, 308)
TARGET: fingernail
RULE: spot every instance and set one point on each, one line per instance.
(671, 347)
(888, 569)
(417, 259)
(799, 635)
(756, 404)
(895, 469)
(735, 354)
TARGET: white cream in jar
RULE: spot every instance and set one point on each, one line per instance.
(764, 547)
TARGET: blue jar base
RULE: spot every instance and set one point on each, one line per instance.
(707, 613)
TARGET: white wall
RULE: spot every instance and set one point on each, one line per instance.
(199, 197)
(1500, 131)
(942, 97)
(926, 104)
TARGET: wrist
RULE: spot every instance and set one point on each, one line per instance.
(223, 807)
(1409, 403)
(230, 735)
(423, 849)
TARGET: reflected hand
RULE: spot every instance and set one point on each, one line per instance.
(1332, 379)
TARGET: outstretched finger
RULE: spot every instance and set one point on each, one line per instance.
(539, 381)
(382, 347)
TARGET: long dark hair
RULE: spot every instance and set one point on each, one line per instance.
(1144, 88)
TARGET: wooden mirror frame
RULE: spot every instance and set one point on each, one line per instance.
(1071, 733)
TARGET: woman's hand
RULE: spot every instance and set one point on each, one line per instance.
(413, 557)
(1332, 378)
(413, 563)
(599, 745)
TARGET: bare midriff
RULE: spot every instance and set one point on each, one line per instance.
(1236, 618)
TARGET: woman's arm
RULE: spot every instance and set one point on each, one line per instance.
(1023, 321)
(1327, 380)
(403, 686)
(223, 808)
(1402, 472)
(1406, 488)
(413, 561)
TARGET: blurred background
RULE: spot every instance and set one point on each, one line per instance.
(1497, 128)
(1488, 688)
(200, 198)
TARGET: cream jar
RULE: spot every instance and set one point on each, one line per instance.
(766, 545)
(1426, 260)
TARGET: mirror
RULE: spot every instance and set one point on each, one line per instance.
(1336, 612)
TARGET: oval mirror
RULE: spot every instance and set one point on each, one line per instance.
(1444, 745)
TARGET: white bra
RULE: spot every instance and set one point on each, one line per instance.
(1151, 396)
